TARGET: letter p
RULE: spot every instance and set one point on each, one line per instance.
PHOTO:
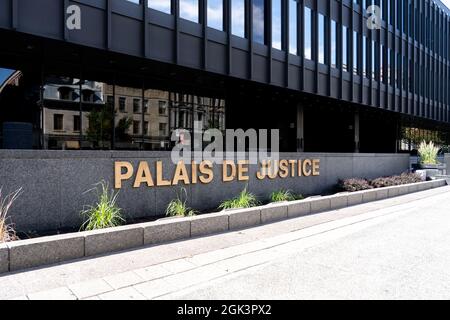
(119, 176)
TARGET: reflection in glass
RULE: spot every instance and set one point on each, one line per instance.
(238, 18)
(259, 21)
(276, 24)
(215, 14)
(189, 10)
(321, 39)
(160, 5)
(293, 26)
(308, 33)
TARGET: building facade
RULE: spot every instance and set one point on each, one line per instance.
(332, 76)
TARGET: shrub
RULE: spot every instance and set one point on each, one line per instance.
(178, 208)
(244, 200)
(7, 232)
(428, 153)
(284, 195)
(105, 213)
(354, 184)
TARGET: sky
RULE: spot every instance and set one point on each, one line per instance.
(4, 73)
(446, 2)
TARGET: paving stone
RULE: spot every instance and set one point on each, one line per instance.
(62, 293)
(90, 288)
(123, 280)
(155, 288)
(129, 293)
(177, 266)
(152, 272)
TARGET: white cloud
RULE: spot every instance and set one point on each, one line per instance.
(446, 2)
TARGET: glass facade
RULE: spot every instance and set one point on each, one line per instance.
(114, 111)
(407, 63)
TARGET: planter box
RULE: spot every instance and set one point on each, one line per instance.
(433, 170)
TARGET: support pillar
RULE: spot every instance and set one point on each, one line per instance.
(300, 129)
(356, 126)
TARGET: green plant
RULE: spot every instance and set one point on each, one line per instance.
(244, 200)
(428, 153)
(7, 232)
(284, 195)
(178, 207)
(105, 213)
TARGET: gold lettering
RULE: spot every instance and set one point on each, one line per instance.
(307, 172)
(119, 176)
(261, 174)
(284, 169)
(243, 170)
(225, 176)
(292, 163)
(160, 181)
(206, 170)
(194, 172)
(181, 174)
(143, 175)
(316, 167)
(273, 169)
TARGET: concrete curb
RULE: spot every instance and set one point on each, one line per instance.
(24, 254)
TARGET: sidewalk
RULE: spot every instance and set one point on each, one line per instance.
(158, 272)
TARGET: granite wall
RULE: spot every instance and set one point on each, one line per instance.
(55, 182)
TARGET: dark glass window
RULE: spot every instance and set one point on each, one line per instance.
(259, 28)
(58, 122)
(76, 123)
(122, 104)
(215, 14)
(238, 18)
(189, 10)
(136, 105)
(136, 127)
(160, 5)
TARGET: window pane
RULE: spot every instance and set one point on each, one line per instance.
(276, 24)
(345, 48)
(215, 14)
(189, 10)
(160, 5)
(333, 44)
(293, 26)
(259, 21)
(321, 39)
(238, 18)
(308, 33)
